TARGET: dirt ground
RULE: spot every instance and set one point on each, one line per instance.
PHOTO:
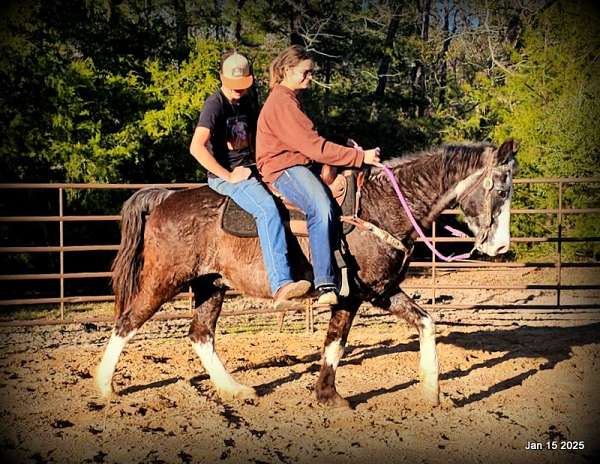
(508, 379)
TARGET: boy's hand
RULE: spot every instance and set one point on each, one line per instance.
(239, 174)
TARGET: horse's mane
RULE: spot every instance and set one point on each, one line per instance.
(449, 154)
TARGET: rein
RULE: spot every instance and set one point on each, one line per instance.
(485, 178)
(415, 224)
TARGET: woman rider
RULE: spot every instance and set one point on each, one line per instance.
(287, 144)
(223, 144)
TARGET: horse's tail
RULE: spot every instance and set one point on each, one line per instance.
(129, 261)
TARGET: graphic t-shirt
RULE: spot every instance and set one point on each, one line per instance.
(232, 130)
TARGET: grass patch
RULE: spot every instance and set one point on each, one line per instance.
(34, 312)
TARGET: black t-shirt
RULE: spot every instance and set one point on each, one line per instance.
(232, 129)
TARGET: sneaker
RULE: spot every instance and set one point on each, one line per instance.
(328, 295)
(285, 293)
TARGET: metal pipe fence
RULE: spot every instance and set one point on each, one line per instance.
(432, 266)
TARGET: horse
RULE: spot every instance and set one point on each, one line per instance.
(172, 239)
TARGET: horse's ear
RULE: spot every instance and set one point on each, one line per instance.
(506, 151)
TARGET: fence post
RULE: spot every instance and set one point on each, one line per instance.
(559, 245)
(433, 261)
(61, 239)
(310, 321)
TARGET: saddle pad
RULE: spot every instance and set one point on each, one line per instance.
(238, 222)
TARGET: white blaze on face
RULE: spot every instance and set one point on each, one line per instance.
(460, 189)
(499, 240)
(464, 184)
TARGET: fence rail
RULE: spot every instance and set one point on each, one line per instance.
(432, 265)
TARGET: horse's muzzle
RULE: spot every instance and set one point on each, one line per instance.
(493, 249)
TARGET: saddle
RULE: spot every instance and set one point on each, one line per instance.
(343, 186)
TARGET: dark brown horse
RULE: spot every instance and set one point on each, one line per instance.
(172, 239)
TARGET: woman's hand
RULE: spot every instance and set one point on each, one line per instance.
(239, 174)
(372, 157)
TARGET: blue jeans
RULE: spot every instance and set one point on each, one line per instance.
(305, 190)
(253, 197)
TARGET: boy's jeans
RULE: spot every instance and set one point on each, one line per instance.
(252, 196)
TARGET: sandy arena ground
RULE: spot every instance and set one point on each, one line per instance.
(508, 378)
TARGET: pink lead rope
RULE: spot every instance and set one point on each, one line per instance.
(414, 223)
(411, 218)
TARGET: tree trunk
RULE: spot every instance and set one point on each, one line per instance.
(384, 66)
(238, 21)
(181, 29)
(419, 76)
(327, 71)
(443, 66)
(295, 22)
(113, 9)
(217, 19)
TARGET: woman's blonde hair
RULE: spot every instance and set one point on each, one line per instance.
(288, 58)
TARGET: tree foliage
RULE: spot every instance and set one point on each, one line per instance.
(110, 90)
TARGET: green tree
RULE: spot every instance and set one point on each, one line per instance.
(543, 90)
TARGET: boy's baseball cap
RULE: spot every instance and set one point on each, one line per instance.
(235, 73)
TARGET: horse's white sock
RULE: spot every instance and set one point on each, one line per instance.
(220, 377)
(428, 359)
(106, 369)
(333, 353)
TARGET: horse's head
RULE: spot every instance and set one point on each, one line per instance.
(485, 198)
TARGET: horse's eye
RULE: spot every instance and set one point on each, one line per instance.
(502, 193)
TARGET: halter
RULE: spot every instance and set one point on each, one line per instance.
(486, 179)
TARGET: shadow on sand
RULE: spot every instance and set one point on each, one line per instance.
(553, 344)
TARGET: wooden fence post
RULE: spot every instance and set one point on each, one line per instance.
(61, 235)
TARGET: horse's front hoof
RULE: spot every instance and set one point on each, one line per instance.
(334, 402)
(106, 390)
(103, 385)
(243, 392)
(107, 394)
(431, 395)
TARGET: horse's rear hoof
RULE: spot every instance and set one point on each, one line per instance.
(244, 392)
(335, 402)
(104, 386)
(432, 396)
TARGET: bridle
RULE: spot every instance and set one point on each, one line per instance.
(485, 179)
